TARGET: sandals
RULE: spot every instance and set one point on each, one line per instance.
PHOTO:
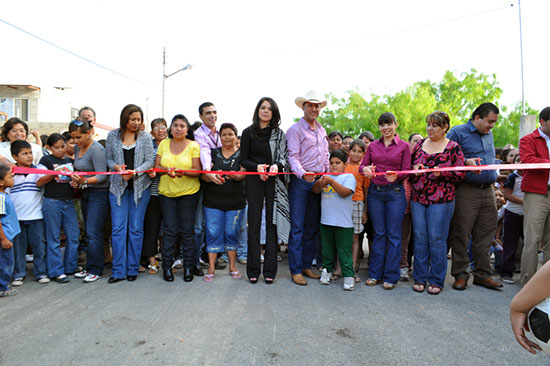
(372, 282)
(235, 275)
(389, 286)
(208, 278)
(141, 269)
(434, 289)
(419, 287)
(357, 279)
(152, 269)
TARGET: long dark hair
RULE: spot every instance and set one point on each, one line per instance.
(125, 117)
(275, 117)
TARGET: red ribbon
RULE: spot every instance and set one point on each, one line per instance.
(23, 170)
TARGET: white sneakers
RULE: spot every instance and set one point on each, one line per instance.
(404, 274)
(91, 278)
(325, 277)
(17, 281)
(43, 279)
(349, 283)
(88, 277)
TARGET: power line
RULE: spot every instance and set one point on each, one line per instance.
(414, 28)
(75, 54)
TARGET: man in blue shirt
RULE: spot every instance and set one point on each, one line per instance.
(475, 216)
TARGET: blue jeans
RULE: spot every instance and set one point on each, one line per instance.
(242, 248)
(431, 228)
(95, 203)
(60, 214)
(222, 229)
(127, 232)
(6, 268)
(199, 229)
(178, 219)
(386, 206)
(32, 234)
(305, 216)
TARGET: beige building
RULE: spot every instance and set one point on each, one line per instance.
(46, 110)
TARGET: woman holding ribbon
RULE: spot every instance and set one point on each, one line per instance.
(432, 202)
(130, 153)
(90, 157)
(263, 150)
(386, 202)
(224, 203)
(178, 192)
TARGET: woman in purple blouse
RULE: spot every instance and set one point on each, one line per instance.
(386, 202)
(432, 202)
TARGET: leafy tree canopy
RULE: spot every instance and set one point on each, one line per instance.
(456, 95)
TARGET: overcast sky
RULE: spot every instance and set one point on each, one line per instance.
(243, 50)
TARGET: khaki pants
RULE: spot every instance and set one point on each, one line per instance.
(475, 217)
(536, 223)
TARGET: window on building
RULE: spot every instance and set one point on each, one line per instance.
(15, 108)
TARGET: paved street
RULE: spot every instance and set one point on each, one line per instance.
(233, 322)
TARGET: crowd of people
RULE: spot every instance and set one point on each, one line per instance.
(189, 195)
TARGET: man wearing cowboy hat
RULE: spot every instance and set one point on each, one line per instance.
(307, 154)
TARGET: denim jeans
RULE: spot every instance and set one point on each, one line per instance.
(127, 232)
(431, 228)
(222, 229)
(198, 229)
(305, 217)
(386, 206)
(178, 219)
(6, 268)
(242, 247)
(95, 205)
(32, 234)
(60, 214)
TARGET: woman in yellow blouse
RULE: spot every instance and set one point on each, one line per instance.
(178, 192)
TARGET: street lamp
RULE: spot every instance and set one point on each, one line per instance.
(164, 76)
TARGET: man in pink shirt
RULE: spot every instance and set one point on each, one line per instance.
(307, 154)
(208, 138)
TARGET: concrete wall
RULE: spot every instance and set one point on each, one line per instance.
(23, 92)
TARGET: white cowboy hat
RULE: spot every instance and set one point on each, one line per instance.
(311, 97)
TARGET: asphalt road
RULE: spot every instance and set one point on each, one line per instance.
(233, 322)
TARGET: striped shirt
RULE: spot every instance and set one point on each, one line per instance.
(27, 196)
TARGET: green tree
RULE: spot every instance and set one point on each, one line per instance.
(506, 130)
(458, 96)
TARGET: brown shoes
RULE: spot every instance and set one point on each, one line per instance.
(488, 283)
(299, 279)
(309, 273)
(460, 284)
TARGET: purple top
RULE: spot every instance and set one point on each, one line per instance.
(207, 140)
(307, 148)
(428, 189)
(396, 156)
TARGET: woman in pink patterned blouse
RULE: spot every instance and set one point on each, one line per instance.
(432, 202)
